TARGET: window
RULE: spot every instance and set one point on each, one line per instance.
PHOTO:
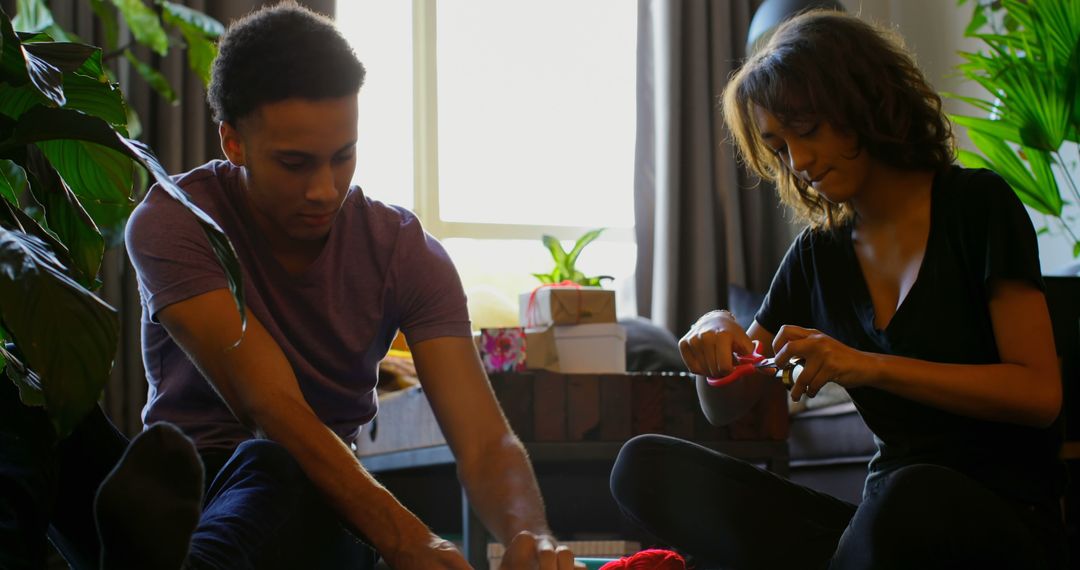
(498, 121)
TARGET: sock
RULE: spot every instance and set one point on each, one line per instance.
(148, 506)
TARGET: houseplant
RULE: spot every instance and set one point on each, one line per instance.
(566, 262)
(1030, 68)
(66, 169)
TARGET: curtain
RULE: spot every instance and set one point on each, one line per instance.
(702, 224)
(183, 136)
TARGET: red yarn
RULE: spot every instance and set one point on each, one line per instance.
(651, 559)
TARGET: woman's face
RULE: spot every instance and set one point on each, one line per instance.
(826, 158)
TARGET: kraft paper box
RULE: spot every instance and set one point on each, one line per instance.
(566, 306)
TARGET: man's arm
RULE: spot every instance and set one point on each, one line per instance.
(259, 386)
(492, 464)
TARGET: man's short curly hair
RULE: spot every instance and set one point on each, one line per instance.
(280, 52)
(831, 66)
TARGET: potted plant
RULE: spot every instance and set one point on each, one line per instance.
(66, 170)
(566, 262)
(1030, 68)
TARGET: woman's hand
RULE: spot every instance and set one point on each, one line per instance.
(708, 347)
(825, 360)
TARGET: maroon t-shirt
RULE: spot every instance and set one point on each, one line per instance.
(378, 272)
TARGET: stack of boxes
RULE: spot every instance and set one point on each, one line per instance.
(572, 330)
(564, 329)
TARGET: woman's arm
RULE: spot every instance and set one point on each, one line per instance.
(1025, 388)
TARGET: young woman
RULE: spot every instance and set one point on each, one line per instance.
(917, 287)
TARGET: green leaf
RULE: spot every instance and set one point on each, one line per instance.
(156, 80)
(67, 335)
(1076, 249)
(31, 16)
(12, 181)
(583, 241)
(106, 15)
(994, 128)
(1043, 231)
(978, 20)
(556, 249)
(1045, 181)
(67, 57)
(97, 98)
(16, 100)
(184, 17)
(41, 123)
(66, 217)
(200, 32)
(544, 278)
(92, 170)
(144, 25)
(1003, 160)
(31, 392)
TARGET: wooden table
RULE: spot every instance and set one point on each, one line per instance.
(574, 422)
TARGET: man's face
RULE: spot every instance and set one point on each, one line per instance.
(299, 157)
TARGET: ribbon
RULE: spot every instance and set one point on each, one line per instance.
(531, 310)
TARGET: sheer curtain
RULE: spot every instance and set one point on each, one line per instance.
(701, 223)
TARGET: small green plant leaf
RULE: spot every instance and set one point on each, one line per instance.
(582, 241)
(31, 392)
(555, 247)
(106, 15)
(144, 24)
(1076, 249)
(152, 77)
(31, 16)
(200, 32)
(12, 181)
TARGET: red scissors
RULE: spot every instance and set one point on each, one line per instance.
(755, 362)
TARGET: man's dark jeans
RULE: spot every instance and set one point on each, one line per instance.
(259, 511)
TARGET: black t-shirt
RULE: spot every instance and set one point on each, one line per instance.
(979, 231)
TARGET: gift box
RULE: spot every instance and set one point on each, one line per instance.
(597, 348)
(502, 349)
(566, 306)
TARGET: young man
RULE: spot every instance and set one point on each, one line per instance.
(330, 276)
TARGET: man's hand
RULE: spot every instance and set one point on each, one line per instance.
(435, 554)
(530, 551)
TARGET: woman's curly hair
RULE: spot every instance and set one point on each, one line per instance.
(825, 65)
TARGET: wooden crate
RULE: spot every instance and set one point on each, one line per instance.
(544, 406)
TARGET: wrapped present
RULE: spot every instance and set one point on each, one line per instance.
(566, 305)
(502, 349)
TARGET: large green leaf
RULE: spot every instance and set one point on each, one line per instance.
(144, 24)
(12, 181)
(92, 170)
(42, 124)
(66, 217)
(67, 335)
(1004, 160)
(67, 57)
(152, 76)
(17, 99)
(97, 98)
(31, 16)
